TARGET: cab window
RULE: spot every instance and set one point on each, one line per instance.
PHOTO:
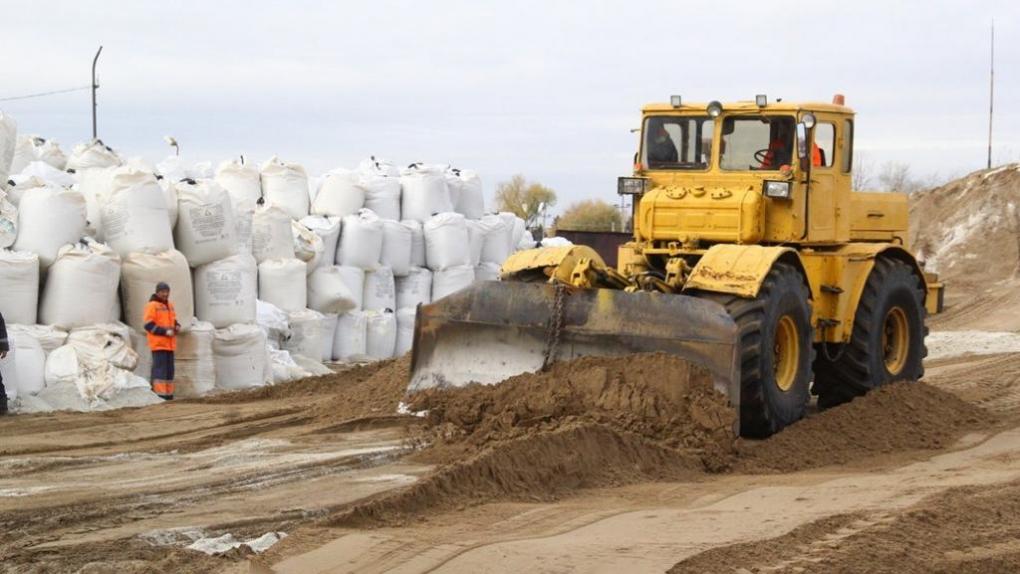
(757, 143)
(848, 145)
(823, 152)
(682, 143)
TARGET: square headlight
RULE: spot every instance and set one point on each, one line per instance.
(777, 189)
(631, 185)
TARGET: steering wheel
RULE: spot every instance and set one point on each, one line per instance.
(761, 155)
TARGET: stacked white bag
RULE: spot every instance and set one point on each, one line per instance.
(205, 229)
(241, 358)
(8, 143)
(92, 155)
(19, 286)
(242, 181)
(49, 217)
(226, 290)
(361, 240)
(341, 193)
(272, 237)
(382, 188)
(328, 230)
(81, 286)
(285, 185)
(135, 217)
(466, 191)
(140, 271)
(424, 192)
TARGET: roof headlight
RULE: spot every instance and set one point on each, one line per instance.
(714, 109)
(808, 120)
(675, 101)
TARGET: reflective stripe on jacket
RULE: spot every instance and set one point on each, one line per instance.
(160, 318)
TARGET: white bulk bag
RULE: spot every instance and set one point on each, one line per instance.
(170, 199)
(139, 274)
(226, 290)
(24, 153)
(446, 241)
(378, 166)
(469, 197)
(205, 228)
(527, 241)
(476, 241)
(486, 272)
(8, 222)
(19, 286)
(361, 240)
(8, 143)
(62, 367)
(380, 335)
(194, 363)
(272, 237)
(398, 241)
(94, 154)
(498, 244)
(239, 354)
(21, 185)
(283, 282)
(49, 337)
(340, 194)
(45, 172)
(382, 195)
(305, 334)
(308, 246)
(350, 343)
(380, 290)
(25, 366)
(517, 227)
(328, 290)
(242, 181)
(447, 281)
(417, 242)
(49, 218)
(405, 331)
(555, 241)
(134, 215)
(423, 192)
(414, 288)
(94, 184)
(49, 152)
(272, 320)
(243, 222)
(328, 229)
(104, 344)
(354, 278)
(81, 286)
(285, 185)
(328, 326)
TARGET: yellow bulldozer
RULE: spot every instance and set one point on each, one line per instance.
(752, 256)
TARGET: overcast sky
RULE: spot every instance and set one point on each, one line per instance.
(546, 89)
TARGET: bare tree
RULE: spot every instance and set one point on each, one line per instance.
(524, 199)
(861, 173)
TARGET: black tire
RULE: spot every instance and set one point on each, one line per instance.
(766, 408)
(845, 372)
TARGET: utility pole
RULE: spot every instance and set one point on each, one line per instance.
(95, 86)
(991, 94)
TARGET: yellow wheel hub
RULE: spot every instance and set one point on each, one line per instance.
(786, 353)
(895, 340)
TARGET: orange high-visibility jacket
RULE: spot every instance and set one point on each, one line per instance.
(159, 318)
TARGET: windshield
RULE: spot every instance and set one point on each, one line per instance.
(673, 142)
(756, 142)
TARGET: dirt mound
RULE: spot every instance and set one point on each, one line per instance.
(893, 418)
(657, 396)
(968, 230)
(964, 530)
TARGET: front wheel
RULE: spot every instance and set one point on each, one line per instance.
(775, 351)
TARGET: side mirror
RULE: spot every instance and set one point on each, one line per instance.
(801, 140)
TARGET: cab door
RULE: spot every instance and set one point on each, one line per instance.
(826, 196)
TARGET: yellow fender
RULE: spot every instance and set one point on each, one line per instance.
(737, 269)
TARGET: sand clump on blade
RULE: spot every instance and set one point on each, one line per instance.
(659, 397)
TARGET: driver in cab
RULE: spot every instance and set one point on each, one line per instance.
(780, 150)
(661, 148)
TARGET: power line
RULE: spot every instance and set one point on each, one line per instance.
(41, 94)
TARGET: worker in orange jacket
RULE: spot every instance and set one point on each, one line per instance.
(161, 328)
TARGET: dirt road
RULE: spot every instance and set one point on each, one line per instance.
(129, 490)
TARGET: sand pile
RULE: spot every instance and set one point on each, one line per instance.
(894, 418)
(968, 230)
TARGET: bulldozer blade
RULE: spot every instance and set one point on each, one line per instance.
(495, 330)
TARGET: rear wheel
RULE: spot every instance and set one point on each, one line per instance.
(887, 343)
(775, 351)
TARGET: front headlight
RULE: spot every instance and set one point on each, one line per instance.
(777, 189)
(631, 185)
